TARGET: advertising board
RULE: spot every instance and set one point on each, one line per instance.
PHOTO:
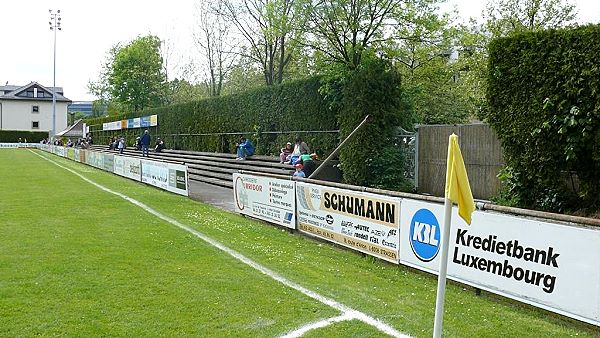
(107, 162)
(60, 151)
(128, 167)
(266, 198)
(20, 145)
(550, 265)
(168, 176)
(365, 222)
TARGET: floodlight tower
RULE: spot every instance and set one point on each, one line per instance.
(54, 26)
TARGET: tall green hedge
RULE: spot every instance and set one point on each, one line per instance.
(294, 106)
(370, 159)
(11, 136)
(544, 100)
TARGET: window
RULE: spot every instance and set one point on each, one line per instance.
(35, 109)
(35, 125)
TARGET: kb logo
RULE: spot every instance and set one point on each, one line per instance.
(424, 235)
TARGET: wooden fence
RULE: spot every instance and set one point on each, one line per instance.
(481, 151)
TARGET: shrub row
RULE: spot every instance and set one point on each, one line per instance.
(11, 136)
(305, 105)
(544, 104)
(294, 106)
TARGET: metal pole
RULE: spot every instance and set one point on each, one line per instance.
(337, 150)
(54, 25)
(441, 287)
(54, 86)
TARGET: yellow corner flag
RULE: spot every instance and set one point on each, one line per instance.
(458, 189)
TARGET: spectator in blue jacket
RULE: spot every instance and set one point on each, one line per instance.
(244, 148)
(145, 141)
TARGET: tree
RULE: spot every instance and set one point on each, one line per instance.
(506, 16)
(212, 40)
(503, 18)
(272, 30)
(133, 77)
(182, 91)
(343, 30)
(426, 49)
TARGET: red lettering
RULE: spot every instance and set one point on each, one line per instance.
(251, 186)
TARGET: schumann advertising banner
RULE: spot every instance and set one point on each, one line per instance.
(365, 222)
(266, 198)
(550, 265)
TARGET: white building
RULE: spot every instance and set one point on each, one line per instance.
(30, 108)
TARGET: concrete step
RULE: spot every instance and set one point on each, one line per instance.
(210, 180)
(263, 158)
(225, 177)
(211, 168)
(232, 168)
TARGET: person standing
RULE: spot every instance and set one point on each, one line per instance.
(145, 141)
(121, 145)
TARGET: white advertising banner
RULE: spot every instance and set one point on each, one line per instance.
(136, 122)
(95, 159)
(168, 176)
(20, 145)
(60, 151)
(550, 265)
(365, 222)
(266, 198)
(108, 162)
(128, 167)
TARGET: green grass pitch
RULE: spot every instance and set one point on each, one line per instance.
(78, 261)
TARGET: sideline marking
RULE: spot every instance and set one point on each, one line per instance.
(347, 312)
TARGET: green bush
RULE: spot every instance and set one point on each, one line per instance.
(12, 136)
(373, 89)
(544, 104)
(316, 104)
(294, 106)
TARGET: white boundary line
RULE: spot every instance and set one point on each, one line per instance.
(317, 325)
(347, 312)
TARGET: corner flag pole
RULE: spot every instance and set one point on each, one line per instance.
(458, 190)
(441, 287)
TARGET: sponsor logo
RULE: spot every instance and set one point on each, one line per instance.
(329, 219)
(241, 194)
(424, 235)
(180, 179)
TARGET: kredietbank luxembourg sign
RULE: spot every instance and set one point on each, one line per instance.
(540, 262)
(550, 265)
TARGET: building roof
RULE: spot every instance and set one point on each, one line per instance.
(10, 92)
(76, 130)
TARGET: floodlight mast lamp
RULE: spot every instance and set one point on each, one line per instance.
(54, 26)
